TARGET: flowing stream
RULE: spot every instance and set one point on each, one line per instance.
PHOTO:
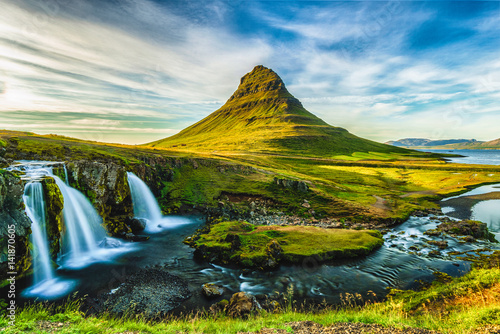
(405, 257)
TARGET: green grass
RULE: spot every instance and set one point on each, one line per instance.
(296, 243)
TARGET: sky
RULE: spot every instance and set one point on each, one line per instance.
(134, 71)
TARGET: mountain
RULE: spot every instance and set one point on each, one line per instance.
(262, 116)
(419, 142)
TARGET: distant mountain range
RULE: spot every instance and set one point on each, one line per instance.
(445, 143)
(263, 117)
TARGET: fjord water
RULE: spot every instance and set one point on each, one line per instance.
(481, 157)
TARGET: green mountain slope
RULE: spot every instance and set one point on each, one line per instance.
(263, 117)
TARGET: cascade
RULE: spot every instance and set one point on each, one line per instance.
(144, 202)
(35, 210)
(45, 282)
(84, 241)
(84, 233)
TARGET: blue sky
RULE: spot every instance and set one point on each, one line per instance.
(136, 71)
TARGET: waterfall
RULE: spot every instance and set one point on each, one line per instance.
(144, 202)
(66, 175)
(45, 282)
(84, 232)
(84, 240)
(35, 210)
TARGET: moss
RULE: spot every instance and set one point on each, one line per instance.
(54, 203)
(264, 247)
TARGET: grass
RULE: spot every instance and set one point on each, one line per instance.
(462, 305)
(253, 246)
(341, 187)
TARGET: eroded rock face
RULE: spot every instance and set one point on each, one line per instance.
(13, 218)
(106, 186)
(54, 204)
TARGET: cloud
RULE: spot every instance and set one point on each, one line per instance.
(374, 68)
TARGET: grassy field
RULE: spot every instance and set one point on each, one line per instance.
(360, 186)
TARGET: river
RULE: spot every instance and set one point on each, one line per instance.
(404, 258)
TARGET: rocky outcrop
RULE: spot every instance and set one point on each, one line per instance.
(471, 228)
(292, 184)
(13, 219)
(106, 186)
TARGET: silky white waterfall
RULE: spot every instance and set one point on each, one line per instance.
(35, 209)
(144, 202)
(84, 232)
(46, 284)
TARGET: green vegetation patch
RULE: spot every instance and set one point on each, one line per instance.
(264, 247)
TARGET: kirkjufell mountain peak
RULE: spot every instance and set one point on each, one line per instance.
(262, 116)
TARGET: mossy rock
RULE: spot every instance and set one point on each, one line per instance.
(265, 247)
(54, 204)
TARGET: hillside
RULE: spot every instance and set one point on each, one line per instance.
(263, 117)
(454, 144)
(420, 142)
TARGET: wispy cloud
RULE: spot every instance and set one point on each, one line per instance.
(383, 70)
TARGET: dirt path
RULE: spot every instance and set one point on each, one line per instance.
(306, 327)
(381, 204)
(422, 192)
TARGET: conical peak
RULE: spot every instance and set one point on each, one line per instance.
(260, 80)
(258, 74)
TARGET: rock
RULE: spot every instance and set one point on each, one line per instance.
(242, 305)
(133, 237)
(274, 254)
(12, 214)
(151, 292)
(218, 307)
(105, 184)
(306, 205)
(212, 290)
(468, 238)
(439, 244)
(292, 184)
(234, 239)
(433, 232)
(137, 224)
(471, 228)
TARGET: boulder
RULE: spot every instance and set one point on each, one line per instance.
(472, 228)
(242, 305)
(210, 290)
(137, 225)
